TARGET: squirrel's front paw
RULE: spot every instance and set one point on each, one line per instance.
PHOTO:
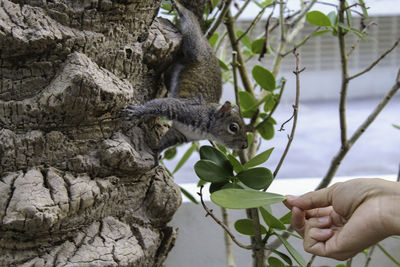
(130, 111)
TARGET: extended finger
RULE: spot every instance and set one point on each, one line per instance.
(312, 200)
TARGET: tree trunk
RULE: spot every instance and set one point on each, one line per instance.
(77, 187)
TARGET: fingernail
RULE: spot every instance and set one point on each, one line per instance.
(323, 219)
(291, 197)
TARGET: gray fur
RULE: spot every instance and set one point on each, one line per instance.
(194, 82)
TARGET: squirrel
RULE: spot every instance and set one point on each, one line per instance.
(195, 86)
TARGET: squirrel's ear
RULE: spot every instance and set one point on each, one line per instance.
(235, 108)
(224, 109)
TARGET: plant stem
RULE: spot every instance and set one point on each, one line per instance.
(337, 159)
(219, 19)
(235, 47)
(230, 259)
(295, 113)
(258, 250)
(226, 228)
(369, 256)
(310, 262)
(345, 75)
(376, 61)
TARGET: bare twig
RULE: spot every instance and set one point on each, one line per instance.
(266, 36)
(277, 101)
(252, 24)
(241, 9)
(300, 43)
(235, 47)
(219, 19)
(303, 13)
(235, 81)
(230, 260)
(398, 175)
(369, 256)
(345, 75)
(349, 262)
(295, 113)
(226, 228)
(355, 45)
(310, 262)
(337, 159)
(376, 61)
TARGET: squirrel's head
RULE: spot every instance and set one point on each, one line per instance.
(229, 129)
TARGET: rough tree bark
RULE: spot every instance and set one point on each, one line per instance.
(77, 187)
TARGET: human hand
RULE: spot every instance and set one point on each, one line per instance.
(344, 219)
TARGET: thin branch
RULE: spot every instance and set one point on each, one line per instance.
(300, 43)
(241, 10)
(398, 175)
(345, 75)
(235, 47)
(278, 100)
(230, 259)
(388, 255)
(235, 81)
(287, 121)
(219, 20)
(303, 13)
(226, 228)
(310, 262)
(349, 262)
(355, 45)
(337, 159)
(295, 113)
(376, 61)
(369, 256)
(252, 24)
(266, 36)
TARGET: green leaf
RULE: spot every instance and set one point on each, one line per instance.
(170, 153)
(244, 198)
(246, 100)
(223, 65)
(246, 227)
(332, 17)
(186, 156)
(364, 8)
(271, 221)
(257, 46)
(275, 262)
(341, 265)
(318, 18)
(246, 41)
(237, 166)
(201, 182)
(216, 186)
(264, 78)
(213, 39)
(222, 148)
(283, 256)
(259, 159)
(266, 129)
(256, 178)
(266, 3)
(188, 195)
(216, 156)
(269, 103)
(322, 32)
(396, 126)
(211, 172)
(285, 219)
(292, 251)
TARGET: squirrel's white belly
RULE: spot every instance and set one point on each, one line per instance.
(191, 132)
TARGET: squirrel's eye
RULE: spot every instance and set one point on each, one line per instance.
(233, 128)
